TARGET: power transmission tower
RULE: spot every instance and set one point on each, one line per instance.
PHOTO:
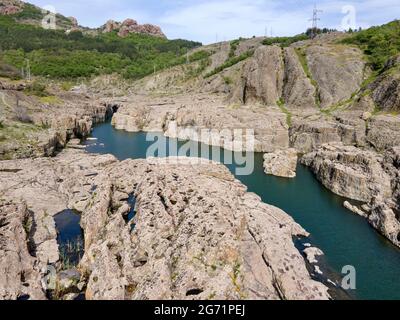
(315, 20)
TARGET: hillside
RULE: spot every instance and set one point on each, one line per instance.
(80, 53)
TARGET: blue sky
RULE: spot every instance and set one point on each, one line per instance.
(208, 21)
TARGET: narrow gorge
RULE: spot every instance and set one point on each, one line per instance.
(87, 212)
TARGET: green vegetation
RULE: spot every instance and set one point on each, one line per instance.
(285, 41)
(230, 62)
(8, 71)
(378, 43)
(52, 100)
(303, 61)
(281, 105)
(55, 54)
(37, 89)
(30, 12)
(228, 80)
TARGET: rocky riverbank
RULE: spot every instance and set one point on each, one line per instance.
(35, 127)
(196, 233)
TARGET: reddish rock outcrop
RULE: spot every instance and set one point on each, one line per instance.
(9, 7)
(131, 26)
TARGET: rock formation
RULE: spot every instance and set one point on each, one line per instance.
(19, 274)
(262, 77)
(110, 26)
(131, 26)
(365, 176)
(298, 92)
(386, 88)
(184, 117)
(10, 7)
(282, 163)
(337, 70)
(196, 234)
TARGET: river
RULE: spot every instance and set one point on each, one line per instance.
(345, 238)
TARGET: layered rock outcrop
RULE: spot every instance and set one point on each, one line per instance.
(298, 92)
(309, 133)
(48, 127)
(337, 70)
(383, 132)
(350, 172)
(365, 176)
(262, 78)
(19, 274)
(282, 163)
(190, 118)
(196, 233)
(386, 88)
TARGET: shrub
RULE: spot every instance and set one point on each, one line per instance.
(285, 41)
(37, 89)
(378, 43)
(230, 62)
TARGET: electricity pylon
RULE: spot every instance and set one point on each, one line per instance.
(315, 20)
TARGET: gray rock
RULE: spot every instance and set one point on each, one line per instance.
(350, 172)
(384, 132)
(338, 71)
(282, 163)
(198, 234)
(364, 176)
(354, 209)
(19, 272)
(262, 77)
(298, 92)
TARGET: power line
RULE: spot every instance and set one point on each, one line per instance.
(315, 20)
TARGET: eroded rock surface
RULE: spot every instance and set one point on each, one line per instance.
(262, 78)
(386, 88)
(337, 70)
(184, 118)
(365, 176)
(19, 273)
(282, 163)
(196, 233)
(298, 92)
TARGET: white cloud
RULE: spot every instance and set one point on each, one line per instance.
(203, 20)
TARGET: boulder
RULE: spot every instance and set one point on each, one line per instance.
(110, 26)
(282, 163)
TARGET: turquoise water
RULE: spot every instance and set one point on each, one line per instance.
(70, 235)
(346, 239)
